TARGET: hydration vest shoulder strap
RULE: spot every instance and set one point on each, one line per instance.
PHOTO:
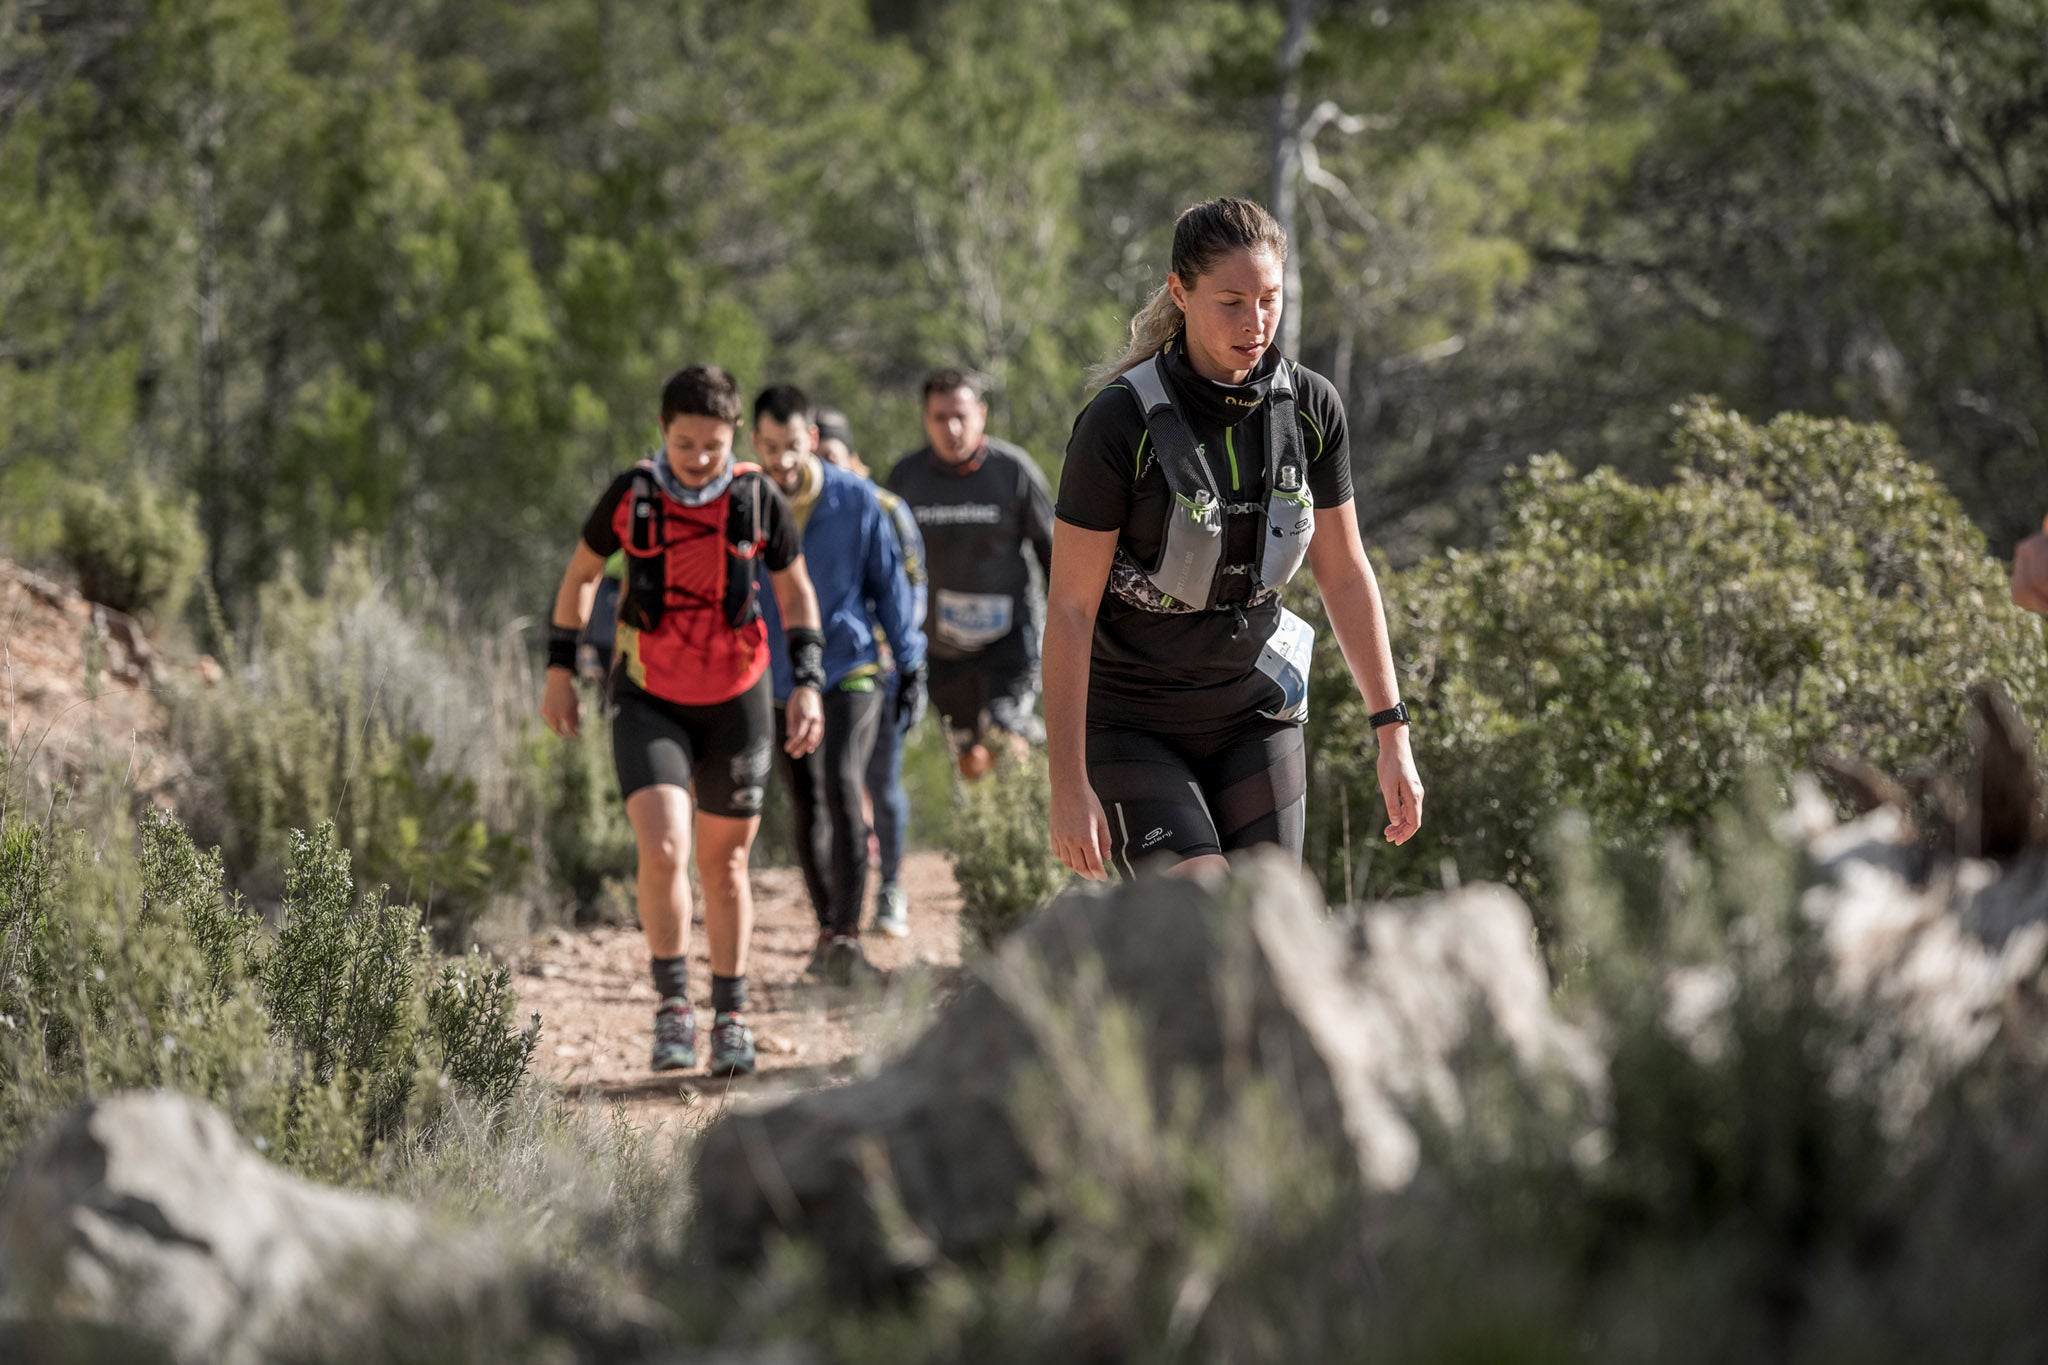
(1286, 451)
(745, 519)
(1186, 473)
(644, 525)
(644, 598)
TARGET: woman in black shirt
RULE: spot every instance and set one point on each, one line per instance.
(1175, 683)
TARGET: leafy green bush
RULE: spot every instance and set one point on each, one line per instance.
(1002, 861)
(1630, 650)
(137, 549)
(324, 1041)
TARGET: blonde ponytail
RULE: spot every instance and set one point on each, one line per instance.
(1151, 329)
(1202, 236)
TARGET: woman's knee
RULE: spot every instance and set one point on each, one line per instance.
(722, 852)
(663, 853)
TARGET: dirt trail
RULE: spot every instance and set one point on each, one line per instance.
(596, 1002)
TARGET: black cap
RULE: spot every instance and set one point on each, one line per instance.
(832, 426)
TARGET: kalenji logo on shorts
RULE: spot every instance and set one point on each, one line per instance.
(1154, 837)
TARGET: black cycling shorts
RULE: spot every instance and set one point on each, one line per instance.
(720, 752)
(1191, 794)
(997, 689)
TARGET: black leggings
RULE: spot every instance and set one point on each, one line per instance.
(1187, 795)
(833, 851)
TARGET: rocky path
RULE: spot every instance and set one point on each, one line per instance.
(596, 1002)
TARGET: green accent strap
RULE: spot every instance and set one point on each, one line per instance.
(1230, 449)
(1138, 462)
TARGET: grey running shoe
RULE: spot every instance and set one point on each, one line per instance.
(847, 965)
(675, 1035)
(892, 911)
(732, 1046)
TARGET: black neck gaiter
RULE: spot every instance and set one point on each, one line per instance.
(1225, 404)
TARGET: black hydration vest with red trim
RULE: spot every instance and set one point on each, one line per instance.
(648, 595)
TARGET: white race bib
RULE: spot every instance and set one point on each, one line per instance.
(1285, 658)
(971, 620)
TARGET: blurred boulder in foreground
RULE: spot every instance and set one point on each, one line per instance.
(146, 1214)
(1361, 1030)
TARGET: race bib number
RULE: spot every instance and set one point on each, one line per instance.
(972, 620)
(1285, 658)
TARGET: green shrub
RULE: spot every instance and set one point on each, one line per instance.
(1002, 859)
(137, 549)
(590, 847)
(323, 1042)
(1630, 651)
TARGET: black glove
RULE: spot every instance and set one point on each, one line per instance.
(910, 697)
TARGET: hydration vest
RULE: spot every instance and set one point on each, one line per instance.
(1192, 573)
(654, 550)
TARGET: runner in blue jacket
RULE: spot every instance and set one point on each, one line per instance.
(856, 562)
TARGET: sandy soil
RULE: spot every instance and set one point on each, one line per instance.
(596, 1001)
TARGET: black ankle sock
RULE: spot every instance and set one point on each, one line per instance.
(671, 977)
(728, 994)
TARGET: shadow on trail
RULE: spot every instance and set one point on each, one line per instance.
(691, 1086)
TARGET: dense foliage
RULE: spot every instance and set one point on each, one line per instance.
(414, 270)
(341, 1032)
(135, 549)
(1632, 650)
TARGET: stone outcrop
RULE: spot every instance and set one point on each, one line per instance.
(146, 1213)
(1364, 1027)
(1930, 911)
(1937, 963)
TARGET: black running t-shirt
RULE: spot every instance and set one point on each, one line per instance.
(980, 520)
(1193, 670)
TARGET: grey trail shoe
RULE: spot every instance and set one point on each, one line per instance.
(675, 1035)
(732, 1045)
(892, 911)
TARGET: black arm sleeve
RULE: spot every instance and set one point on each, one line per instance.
(1329, 440)
(1102, 462)
(782, 543)
(598, 531)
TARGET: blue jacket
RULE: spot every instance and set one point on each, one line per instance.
(856, 566)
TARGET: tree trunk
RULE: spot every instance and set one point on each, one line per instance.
(216, 478)
(1287, 163)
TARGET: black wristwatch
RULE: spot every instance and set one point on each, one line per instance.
(1397, 714)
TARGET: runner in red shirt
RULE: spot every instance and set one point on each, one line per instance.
(691, 721)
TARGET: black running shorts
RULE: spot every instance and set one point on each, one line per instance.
(720, 752)
(1187, 795)
(995, 690)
